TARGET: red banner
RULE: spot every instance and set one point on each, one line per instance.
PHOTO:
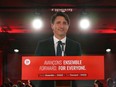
(62, 68)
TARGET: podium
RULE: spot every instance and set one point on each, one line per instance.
(62, 69)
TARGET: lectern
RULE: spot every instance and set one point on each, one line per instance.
(63, 70)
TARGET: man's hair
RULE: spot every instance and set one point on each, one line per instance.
(60, 14)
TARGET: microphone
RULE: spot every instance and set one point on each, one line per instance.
(63, 46)
(63, 49)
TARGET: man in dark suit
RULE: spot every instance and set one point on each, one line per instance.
(60, 24)
(46, 48)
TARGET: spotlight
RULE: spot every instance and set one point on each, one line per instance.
(108, 50)
(16, 50)
(84, 23)
(37, 24)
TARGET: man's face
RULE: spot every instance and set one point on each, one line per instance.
(60, 26)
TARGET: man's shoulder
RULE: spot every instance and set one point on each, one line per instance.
(46, 41)
(72, 41)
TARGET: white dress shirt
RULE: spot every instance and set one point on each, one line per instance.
(56, 43)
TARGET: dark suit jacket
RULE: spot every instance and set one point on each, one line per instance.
(46, 48)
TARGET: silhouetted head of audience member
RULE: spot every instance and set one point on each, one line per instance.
(109, 82)
(98, 83)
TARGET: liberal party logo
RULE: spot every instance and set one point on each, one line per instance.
(27, 61)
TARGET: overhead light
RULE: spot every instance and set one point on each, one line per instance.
(108, 50)
(16, 50)
(37, 24)
(84, 24)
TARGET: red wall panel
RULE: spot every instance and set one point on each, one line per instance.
(1, 68)
(14, 67)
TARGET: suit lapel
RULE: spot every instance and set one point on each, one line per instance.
(51, 47)
(68, 47)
